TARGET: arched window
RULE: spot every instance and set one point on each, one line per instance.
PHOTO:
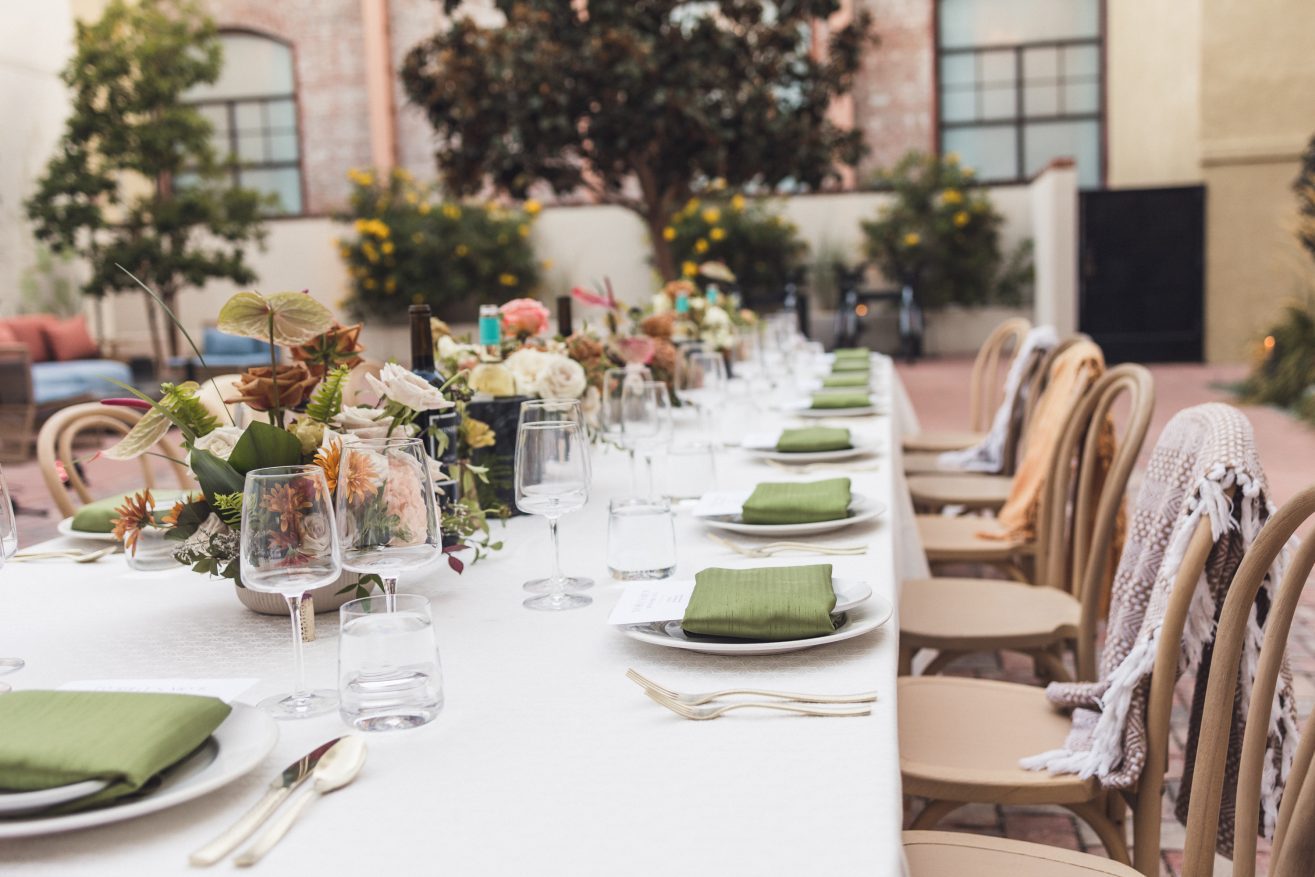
(253, 108)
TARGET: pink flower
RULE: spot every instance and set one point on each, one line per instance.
(636, 348)
(524, 317)
(403, 496)
(581, 294)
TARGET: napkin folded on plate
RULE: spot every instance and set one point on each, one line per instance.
(852, 352)
(54, 738)
(98, 516)
(854, 364)
(797, 503)
(768, 603)
(841, 400)
(813, 439)
(843, 380)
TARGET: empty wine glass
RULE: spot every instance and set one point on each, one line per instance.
(387, 519)
(654, 436)
(289, 546)
(8, 545)
(557, 410)
(552, 479)
(622, 388)
(702, 383)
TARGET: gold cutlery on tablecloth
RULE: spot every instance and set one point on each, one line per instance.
(706, 697)
(703, 713)
(772, 548)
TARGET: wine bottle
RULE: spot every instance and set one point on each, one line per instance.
(491, 376)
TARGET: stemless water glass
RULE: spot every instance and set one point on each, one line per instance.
(387, 517)
(290, 546)
(641, 539)
(654, 416)
(691, 469)
(552, 479)
(389, 674)
(8, 545)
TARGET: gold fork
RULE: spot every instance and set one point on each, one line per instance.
(697, 699)
(772, 548)
(703, 713)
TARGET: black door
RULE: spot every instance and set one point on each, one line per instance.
(1142, 272)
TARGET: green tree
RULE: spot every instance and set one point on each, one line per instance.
(1304, 186)
(135, 180)
(638, 102)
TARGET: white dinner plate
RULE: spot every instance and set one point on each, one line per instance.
(239, 743)
(860, 449)
(863, 619)
(12, 803)
(861, 508)
(863, 411)
(65, 528)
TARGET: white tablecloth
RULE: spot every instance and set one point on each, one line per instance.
(546, 760)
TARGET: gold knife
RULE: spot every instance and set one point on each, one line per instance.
(279, 788)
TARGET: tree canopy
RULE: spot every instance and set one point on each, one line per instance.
(135, 180)
(639, 102)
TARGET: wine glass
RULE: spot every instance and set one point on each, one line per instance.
(387, 517)
(703, 383)
(557, 411)
(552, 479)
(621, 388)
(290, 546)
(656, 436)
(8, 545)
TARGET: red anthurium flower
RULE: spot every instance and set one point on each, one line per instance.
(129, 402)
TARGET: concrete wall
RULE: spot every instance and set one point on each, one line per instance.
(1257, 113)
(36, 40)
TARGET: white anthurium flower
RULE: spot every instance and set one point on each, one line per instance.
(220, 441)
(405, 388)
(561, 378)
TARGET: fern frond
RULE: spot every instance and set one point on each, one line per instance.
(327, 400)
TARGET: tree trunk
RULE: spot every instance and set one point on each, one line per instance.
(663, 259)
(153, 327)
(170, 297)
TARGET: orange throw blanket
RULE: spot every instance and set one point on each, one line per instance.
(1071, 374)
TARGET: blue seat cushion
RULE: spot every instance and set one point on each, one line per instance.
(216, 344)
(57, 381)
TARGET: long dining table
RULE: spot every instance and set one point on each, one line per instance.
(545, 759)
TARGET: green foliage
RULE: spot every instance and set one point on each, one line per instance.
(327, 400)
(186, 410)
(229, 508)
(942, 236)
(759, 246)
(411, 248)
(1304, 186)
(1286, 370)
(113, 192)
(49, 285)
(214, 475)
(639, 103)
(263, 445)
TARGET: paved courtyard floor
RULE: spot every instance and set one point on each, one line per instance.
(939, 389)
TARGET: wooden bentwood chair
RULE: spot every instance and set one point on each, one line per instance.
(58, 434)
(985, 388)
(1077, 518)
(935, 853)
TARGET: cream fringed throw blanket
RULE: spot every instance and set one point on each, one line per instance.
(1202, 452)
(988, 455)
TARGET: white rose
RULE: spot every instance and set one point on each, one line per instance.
(368, 423)
(561, 378)
(697, 302)
(220, 441)
(716, 316)
(661, 304)
(525, 366)
(405, 388)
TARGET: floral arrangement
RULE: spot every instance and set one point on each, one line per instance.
(941, 235)
(306, 423)
(410, 247)
(750, 237)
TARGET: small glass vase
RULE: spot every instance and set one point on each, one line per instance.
(152, 552)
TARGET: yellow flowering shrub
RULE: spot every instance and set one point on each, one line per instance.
(407, 246)
(759, 246)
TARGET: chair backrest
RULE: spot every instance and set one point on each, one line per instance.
(55, 443)
(1079, 510)
(1024, 402)
(986, 385)
(1040, 377)
(1294, 840)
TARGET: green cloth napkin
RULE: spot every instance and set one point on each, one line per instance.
(851, 365)
(796, 503)
(98, 516)
(53, 738)
(813, 439)
(841, 400)
(768, 603)
(845, 380)
(852, 352)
